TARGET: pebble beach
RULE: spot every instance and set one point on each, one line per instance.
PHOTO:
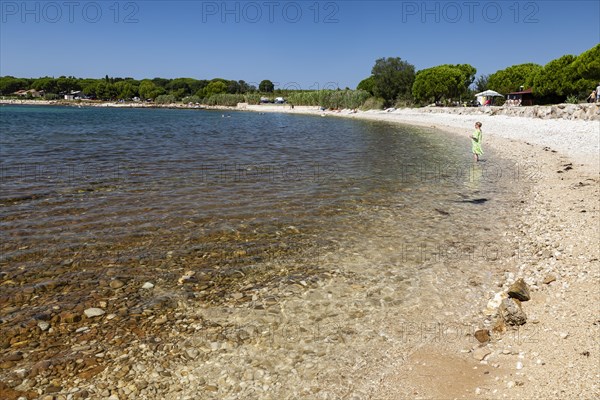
(346, 334)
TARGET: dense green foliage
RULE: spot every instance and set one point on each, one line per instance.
(512, 78)
(10, 84)
(568, 78)
(392, 82)
(329, 98)
(558, 80)
(392, 79)
(482, 83)
(443, 82)
(587, 65)
(373, 103)
(468, 76)
(125, 88)
(224, 99)
(165, 99)
(367, 84)
(266, 86)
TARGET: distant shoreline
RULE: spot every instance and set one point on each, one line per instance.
(582, 111)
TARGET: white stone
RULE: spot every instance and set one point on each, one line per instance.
(43, 325)
(94, 312)
(148, 285)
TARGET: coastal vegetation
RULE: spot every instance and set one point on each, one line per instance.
(393, 83)
(443, 82)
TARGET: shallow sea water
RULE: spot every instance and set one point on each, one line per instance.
(394, 216)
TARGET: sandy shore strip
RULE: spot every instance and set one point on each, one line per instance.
(555, 355)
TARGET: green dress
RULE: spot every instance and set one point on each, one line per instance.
(476, 143)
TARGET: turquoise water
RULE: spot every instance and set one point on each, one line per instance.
(144, 190)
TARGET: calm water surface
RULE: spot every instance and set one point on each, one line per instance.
(87, 188)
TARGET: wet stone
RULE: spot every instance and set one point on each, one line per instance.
(7, 364)
(43, 325)
(14, 357)
(53, 389)
(40, 367)
(69, 317)
(82, 394)
(116, 284)
(94, 312)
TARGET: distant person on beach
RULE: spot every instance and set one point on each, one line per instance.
(476, 142)
(592, 97)
(598, 93)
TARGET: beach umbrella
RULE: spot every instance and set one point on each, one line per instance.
(489, 93)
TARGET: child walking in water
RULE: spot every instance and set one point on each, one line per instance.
(476, 142)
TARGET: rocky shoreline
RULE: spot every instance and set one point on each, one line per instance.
(182, 338)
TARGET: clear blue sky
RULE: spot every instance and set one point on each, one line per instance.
(311, 44)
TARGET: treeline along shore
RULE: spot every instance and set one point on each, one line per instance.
(393, 82)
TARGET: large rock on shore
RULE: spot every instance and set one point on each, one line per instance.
(512, 313)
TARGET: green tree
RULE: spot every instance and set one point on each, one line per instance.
(367, 84)
(161, 82)
(10, 84)
(46, 84)
(233, 87)
(266, 86)
(512, 78)
(245, 87)
(196, 85)
(66, 85)
(393, 79)
(182, 87)
(148, 90)
(482, 83)
(214, 87)
(558, 80)
(436, 83)
(468, 76)
(587, 64)
(106, 91)
(126, 90)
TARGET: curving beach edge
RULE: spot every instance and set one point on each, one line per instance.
(554, 354)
